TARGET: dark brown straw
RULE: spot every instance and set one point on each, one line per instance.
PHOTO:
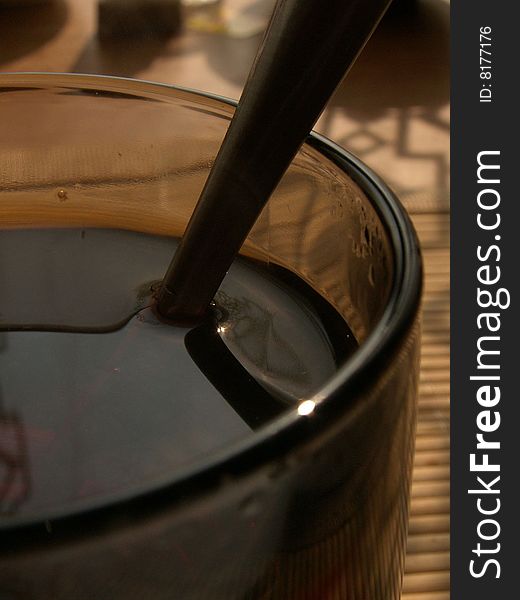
(308, 47)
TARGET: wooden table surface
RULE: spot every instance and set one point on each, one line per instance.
(392, 111)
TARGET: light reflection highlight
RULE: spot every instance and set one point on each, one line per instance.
(306, 407)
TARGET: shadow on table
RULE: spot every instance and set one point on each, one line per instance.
(402, 79)
(127, 56)
(25, 28)
(124, 57)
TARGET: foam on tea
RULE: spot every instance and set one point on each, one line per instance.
(103, 400)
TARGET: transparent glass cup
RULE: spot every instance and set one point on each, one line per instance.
(312, 504)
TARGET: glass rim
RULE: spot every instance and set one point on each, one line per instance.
(341, 396)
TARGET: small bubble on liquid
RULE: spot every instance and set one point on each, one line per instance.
(62, 195)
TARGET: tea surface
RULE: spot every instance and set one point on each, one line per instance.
(99, 400)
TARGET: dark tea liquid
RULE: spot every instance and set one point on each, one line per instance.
(100, 400)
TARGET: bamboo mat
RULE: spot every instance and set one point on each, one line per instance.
(427, 563)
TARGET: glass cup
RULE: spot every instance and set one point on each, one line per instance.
(313, 503)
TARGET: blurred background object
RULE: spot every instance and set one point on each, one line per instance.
(22, 2)
(238, 19)
(392, 111)
(138, 18)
